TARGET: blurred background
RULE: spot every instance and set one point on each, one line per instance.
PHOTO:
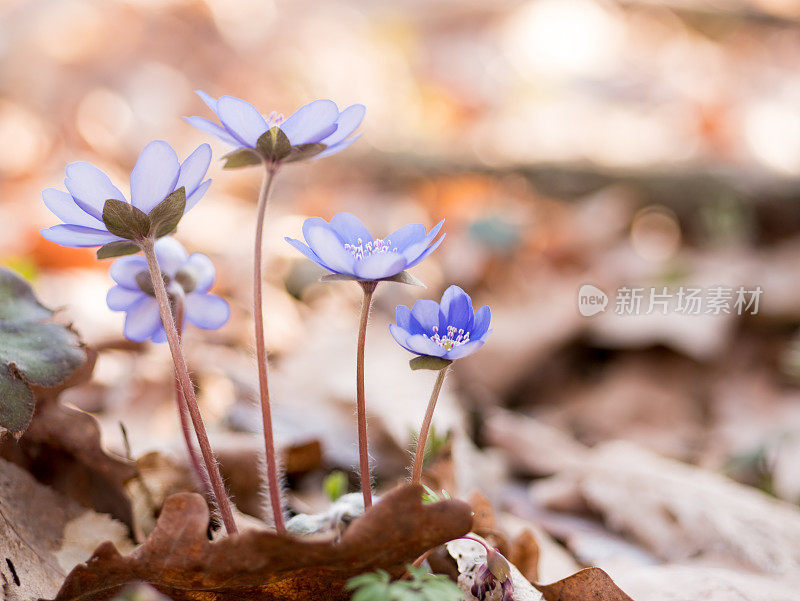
(637, 143)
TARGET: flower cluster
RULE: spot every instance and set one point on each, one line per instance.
(164, 288)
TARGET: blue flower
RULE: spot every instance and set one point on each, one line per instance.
(449, 330)
(133, 293)
(156, 175)
(346, 247)
(317, 122)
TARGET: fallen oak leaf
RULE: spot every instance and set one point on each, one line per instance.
(179, 560)
(588, 584)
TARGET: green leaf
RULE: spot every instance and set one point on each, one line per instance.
(165, 215)
(118, 248)
(17, 300)
(17, 402)
(423, 586)
(426, 362)
(274, 145)
(379, 576)
(302, 152)
(244, 157)
(124, 220)
(335, 484)
(32, 351)
(43, 353)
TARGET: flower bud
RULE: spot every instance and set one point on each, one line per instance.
(498, 565)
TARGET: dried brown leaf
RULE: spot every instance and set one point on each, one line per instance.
(591, 584)
(179, 560)
(680, 512)
(43, 535)
(62, 449)
(524, 553)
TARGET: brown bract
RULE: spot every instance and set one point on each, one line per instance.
(179, 560)
(591, 583)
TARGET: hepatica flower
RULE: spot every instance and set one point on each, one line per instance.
(317, 129)
(186, 276)
(161, 189)
(493, 580)
(448, 330)
(345, 247)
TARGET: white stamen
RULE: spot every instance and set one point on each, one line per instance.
(360, 250)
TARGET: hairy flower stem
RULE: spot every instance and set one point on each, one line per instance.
(361, 403)
(182, 371)
(261, 354)
(176, 296)
(422, 439)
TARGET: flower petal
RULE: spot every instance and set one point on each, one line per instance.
(377, 267)
(312, 222)
(305, 250)
(193, 169)
(63, 206)
(406, 236)
(337, 147)
(463, 350)
(348, 121)
(400, 335)
(350, 229)
(78, 236)
(406, 320)
(208, 99)
(421, 345)
(414, 251)
(481, 322)
(120, 299)
(160, 335)
(142, 319)
(428, 251)
(212, 128)
(196, 196)
(124, 271)
(90, 188)
(428, 315)
(206, 311)
(457, 308)
(241, 119)
(311, 123)
(154, 176)
(203, 270)
(171, 255)
(402, 315)
(327, 245)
